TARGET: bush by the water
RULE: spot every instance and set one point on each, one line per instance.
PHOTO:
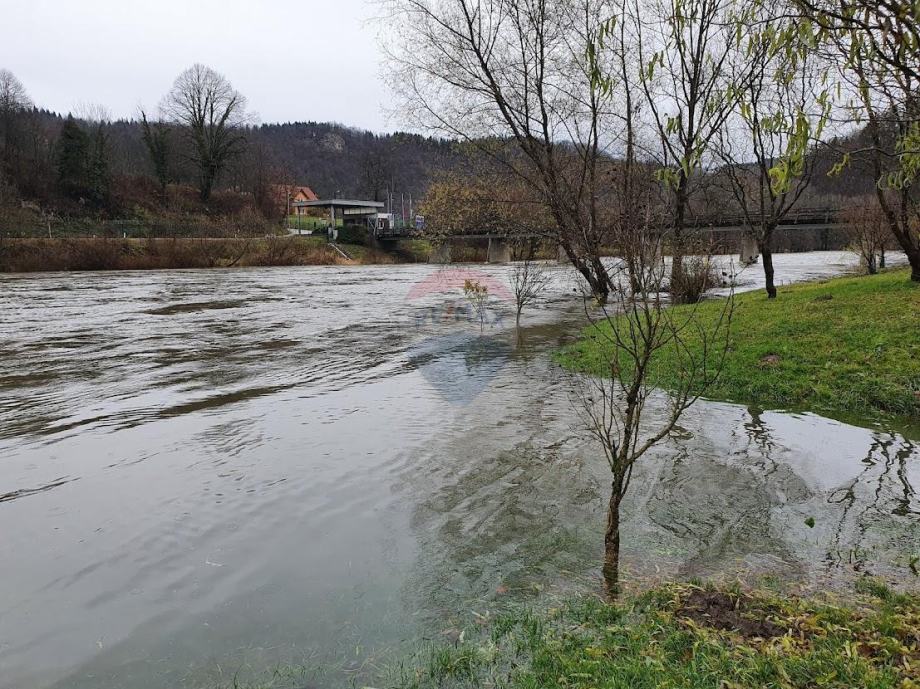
(698, 275)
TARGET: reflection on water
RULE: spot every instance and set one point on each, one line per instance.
(460, 365)
(206, 472)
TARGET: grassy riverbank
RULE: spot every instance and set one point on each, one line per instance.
(31, 255)
(689, 637)
(843, 346)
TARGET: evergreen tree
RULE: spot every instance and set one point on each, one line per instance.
(71, 158)
(156, 138)
(98, 175)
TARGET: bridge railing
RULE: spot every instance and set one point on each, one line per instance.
(798, 216)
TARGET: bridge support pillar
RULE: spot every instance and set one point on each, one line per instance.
(499, 251)
(750, 252)
(440, 253)
(373, 241)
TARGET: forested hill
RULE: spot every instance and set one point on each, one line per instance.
(332, 158)
(328, 157)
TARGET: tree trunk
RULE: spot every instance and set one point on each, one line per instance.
(611, 569)
(635, 283)
(204, 191)
(601, 287)
(680, 210)
(594, 274)
(209, 172)
(913, 257)
(767, 257)
(766, 254)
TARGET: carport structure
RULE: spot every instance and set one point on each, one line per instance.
(351, 212)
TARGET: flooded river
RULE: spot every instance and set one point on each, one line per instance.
(207, 473)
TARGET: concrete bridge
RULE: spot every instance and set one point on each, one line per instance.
(816, 220)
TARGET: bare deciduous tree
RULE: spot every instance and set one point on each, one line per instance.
(478, 198)
(613, 406)
(13, 95)
(528, 281)
(766, 142)
(615, 65)
(518, 71)
(684, 49)
(211, 113)
(13, 101)
(376, 169)
(869, 234)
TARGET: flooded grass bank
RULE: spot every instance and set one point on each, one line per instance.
(839, 347)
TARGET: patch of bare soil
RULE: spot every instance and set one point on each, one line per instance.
(736, 613)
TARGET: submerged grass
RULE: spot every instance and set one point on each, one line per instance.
(842, 346)
(689, 637)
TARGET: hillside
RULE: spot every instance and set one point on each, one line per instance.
(328, 157)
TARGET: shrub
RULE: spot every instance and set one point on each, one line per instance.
(699, 274)
(352, 235)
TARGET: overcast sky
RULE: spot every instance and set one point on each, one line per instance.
(305, 60)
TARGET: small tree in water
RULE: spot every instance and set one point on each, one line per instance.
(612, 406)
(477, 295)
(528, 281)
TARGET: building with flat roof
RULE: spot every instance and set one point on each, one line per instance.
(343, 212)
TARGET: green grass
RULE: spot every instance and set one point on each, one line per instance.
(662, 640)
(308, 222)
(847, 346)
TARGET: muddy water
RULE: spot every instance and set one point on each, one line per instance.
(205, 473)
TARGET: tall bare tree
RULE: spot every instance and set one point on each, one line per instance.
(490, 70)
(211, 113)
(14, 100)
(615, 66)
(684, 48)
(766, 143)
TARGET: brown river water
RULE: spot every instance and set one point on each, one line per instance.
(204, 474)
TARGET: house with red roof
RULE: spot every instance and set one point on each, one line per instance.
(291, 195)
